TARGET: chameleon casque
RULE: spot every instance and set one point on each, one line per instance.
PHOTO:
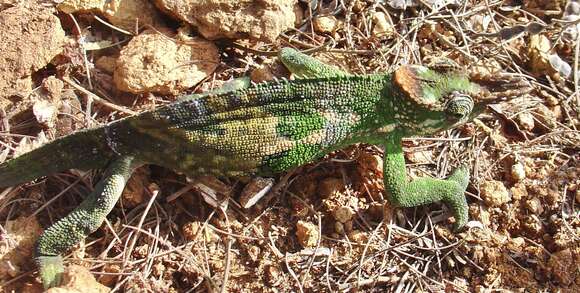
(264, 129)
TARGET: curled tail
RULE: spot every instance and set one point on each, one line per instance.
(86, 149)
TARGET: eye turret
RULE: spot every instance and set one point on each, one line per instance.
(459, 106)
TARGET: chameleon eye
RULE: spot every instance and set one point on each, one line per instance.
(459, 106)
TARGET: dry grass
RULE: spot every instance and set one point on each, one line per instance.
(170, 239)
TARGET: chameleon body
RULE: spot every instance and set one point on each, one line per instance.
(262, 130)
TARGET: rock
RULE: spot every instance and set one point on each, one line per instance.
(192, 229)
(299, 208)
(348, 226)
(375, 211)
(545, 116)
(526, 121)
(269, 71)
(552, 101)
(519, 191)
(494, 193)
(343, 214)
(46, 103)
(534, 205)
(518, 172)
(53, 87)
(125, 14)
(31, 38)
(538, 50)
(254, 191)
(423, 156)
(18, 245)
(273, 275)
(383, 25)
(371, 162)
(532, 225)
(325, 24)
(307, 234)
(517, 244)
(261, 74)
(110, 278)
(339, 228)
(45, 112)
(358, 236)
(214, 19)
(152, 62)
(213, 191)
(78, 279)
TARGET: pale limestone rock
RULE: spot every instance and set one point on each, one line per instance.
(152, 62)
(125, 14)
(31, 38)
(214, 19)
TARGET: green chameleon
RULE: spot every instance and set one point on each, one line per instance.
(262, 130)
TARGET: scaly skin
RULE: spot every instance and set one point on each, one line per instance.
(264, 129)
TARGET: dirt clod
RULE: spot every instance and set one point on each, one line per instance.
(262, 20)
(31, 38)
(152, 62)
(343, 214)
(77, 279)
(325, 24)
(494, 193)
(307, 234)
(125, 14)
(19, 238)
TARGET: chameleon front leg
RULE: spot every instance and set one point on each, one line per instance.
(304, 66)
(232, 85)
(422, 191)
(82, 221)
(300, 64)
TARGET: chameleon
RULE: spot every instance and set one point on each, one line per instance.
(264, 129)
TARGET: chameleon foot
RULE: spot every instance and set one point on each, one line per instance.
(456, 200)
(51, 269)
(421, 191)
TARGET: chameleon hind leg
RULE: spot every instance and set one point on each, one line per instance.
(422, 191)
(82, 221)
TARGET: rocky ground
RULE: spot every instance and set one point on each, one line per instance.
(68, 65)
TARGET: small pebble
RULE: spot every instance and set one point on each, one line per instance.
(518, 172)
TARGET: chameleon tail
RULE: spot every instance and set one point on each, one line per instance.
(82, 150)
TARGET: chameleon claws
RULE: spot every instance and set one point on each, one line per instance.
(51, 269)
(461, 176)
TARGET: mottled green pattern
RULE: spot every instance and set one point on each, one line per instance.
(264, 129)
(244, 132)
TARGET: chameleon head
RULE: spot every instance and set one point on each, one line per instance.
(430, 101)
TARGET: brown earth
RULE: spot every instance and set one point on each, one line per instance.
(329, 227)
